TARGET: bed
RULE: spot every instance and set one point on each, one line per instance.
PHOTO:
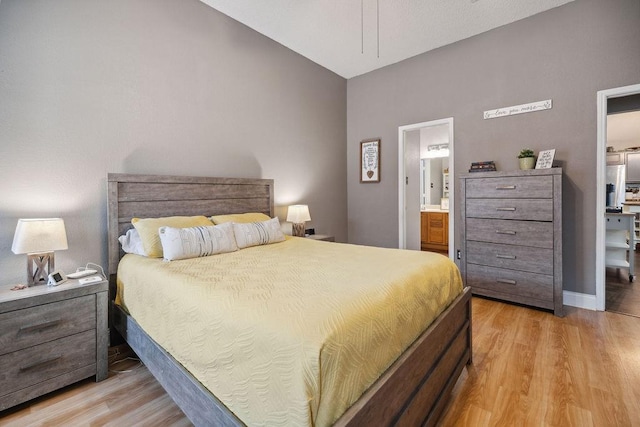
(412, 391)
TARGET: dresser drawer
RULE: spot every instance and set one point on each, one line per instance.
(524, 209)
(33, 365)
(519, 258)
(525, 233)
(514, 187)
(528, 285)
(30, 326)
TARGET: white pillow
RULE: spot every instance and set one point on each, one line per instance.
(258, 233)
(132, 243)
(183, 243)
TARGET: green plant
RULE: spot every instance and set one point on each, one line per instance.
(525, 153)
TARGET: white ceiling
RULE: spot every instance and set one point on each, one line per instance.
(342, 35)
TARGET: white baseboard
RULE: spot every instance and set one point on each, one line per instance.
(575, 299)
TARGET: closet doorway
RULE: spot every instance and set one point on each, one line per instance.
(415, 142)
(613, 289)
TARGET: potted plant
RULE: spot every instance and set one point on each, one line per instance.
(527, 159)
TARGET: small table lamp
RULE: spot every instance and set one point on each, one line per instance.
(39, 238)
(298, 214)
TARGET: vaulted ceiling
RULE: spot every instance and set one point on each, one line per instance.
(353, 37)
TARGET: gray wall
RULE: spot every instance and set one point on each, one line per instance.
(89, 87)
(566, 54)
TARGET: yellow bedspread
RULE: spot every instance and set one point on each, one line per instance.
(290, 333)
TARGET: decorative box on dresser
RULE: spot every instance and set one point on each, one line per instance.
(51, 337)
(512, 236)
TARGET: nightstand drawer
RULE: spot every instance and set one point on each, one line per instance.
(520, 258)
(514, 187)
(30, 326)
(525, 233)
(521, 209)
(24, 368)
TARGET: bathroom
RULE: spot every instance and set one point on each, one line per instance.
(434, 189)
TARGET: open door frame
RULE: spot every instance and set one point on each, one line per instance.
(402, 196)
(601, 159)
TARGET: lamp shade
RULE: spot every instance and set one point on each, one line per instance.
(298, 214)
(39, 235)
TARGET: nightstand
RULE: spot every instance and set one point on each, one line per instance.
(51, 337)
(324, 237)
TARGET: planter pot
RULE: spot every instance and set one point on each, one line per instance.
(527, 163)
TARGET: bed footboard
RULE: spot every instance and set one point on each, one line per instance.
(415, 389)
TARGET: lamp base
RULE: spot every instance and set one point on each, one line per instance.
(297, 229)
(38, 268)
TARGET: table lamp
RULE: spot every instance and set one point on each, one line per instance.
(38, 238)
(298, 214)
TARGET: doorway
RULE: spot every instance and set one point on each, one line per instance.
(603, 98)
(410, 190)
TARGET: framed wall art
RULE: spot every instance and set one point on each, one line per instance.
(370, 160)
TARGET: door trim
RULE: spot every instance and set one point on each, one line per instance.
(402, 219)
(601, 159)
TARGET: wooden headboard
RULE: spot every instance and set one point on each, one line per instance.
(153, 196)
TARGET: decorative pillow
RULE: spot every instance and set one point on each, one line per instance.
(258, 233)
(132, 243)
(240, 218)
(183, 243)
(148, 229)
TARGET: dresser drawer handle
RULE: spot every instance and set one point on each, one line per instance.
(506, 209)
(512, 233)
(39, 326)
(506, 256)
(40, 364)
(506, 281)
(506, 187)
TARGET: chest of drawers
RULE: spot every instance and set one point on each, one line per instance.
(512, 236)
(51, 337)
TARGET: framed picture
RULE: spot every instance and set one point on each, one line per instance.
(370, 160)
(545, 159)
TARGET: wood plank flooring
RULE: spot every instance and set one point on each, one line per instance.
(621, 295)
(530, 368)
(130, 397)
(534, 369)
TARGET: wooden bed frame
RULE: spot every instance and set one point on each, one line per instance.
(413, 391)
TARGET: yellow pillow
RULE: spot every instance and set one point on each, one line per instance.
(243, 218)
(148, 230)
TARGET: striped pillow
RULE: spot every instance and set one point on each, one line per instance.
(193, 242)
(258, 233)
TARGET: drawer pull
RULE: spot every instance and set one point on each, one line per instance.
(506, 281)
(506, 187)
(512, 233)
(40, 364)
(506, 209)
(506, 256)
(39, 326)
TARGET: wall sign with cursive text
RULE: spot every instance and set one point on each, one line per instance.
(518, 109)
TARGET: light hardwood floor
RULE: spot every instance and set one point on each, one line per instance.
(530, 368)
(623, 296)
(534, 369)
